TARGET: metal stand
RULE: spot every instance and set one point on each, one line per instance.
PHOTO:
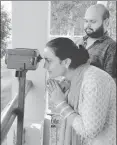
(21, 101)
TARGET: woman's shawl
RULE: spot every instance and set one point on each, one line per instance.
(67, 136)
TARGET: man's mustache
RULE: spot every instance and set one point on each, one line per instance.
(89, 29)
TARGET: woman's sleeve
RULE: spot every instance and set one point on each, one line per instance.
(93, 111)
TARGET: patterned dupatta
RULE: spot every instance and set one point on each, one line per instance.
(67, 134)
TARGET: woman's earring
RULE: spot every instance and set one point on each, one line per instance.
(66, 66)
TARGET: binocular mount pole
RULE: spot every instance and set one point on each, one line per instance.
(21, 74)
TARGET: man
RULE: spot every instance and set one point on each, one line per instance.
(100, 46)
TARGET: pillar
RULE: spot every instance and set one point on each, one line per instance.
(30, 29)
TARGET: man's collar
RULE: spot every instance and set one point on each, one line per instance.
(99, 39)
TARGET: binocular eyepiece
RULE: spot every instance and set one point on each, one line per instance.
(39, 58)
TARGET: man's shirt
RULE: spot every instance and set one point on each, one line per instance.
(103, 54)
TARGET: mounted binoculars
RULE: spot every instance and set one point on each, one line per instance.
(22, 58)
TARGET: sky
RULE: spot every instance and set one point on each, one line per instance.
(7, 6)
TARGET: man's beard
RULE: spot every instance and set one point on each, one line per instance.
(97, 34)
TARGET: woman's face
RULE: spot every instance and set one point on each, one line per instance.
(53, 64)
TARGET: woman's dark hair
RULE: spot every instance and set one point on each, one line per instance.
(66, 48)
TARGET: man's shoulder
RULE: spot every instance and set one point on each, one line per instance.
(108, 44)
(110, 41)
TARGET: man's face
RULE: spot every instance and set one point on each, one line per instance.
(53, 64)
(93, 23)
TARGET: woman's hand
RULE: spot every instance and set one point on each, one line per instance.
(57, 96)
(79, 42)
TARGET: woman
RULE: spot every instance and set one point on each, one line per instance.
(88, 106)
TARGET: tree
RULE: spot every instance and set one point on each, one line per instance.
(67, 17)
(5, 30)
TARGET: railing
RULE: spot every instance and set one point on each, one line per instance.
(55, 127)
(46, 130)
(50, 122)
(9, 114)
